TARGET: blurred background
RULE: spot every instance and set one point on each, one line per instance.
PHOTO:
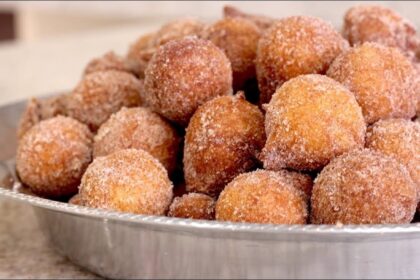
(45, 45)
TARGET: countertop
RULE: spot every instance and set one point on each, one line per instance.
(30, 70)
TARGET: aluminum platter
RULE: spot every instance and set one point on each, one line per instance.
(117, 245)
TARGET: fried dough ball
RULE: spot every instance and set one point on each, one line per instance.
(263, 22)
(261, 196)
(100, 94)
(139, 54)
(178, 29)
(52, 156)
(380, 77)
(301, 181)
(398, 138)
(294, 46)
(363, 187)
(184, 74)
(222, 141)
(193, 206)
(238, 38)
(75, 200)
(138, 128)
(310, 120)
(109, 61)
(37, 110)
(380, 25)
(129, 181)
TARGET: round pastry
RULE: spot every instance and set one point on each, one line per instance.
(301, 181)
(238, 38)
(261, 197)
(138, 128)
(381, 78)
(294, 46)
(381, 25)
(363, 187)
(398, 138)
(184, 74)
(178, 29)
(52, 156)
(100, 94)
(310, 120)
(222, 141)
(129, 181)
(109, 61)
(193, 206)
(139, 54)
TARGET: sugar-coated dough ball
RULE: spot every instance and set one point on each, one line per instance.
(129, 181)
(222, 141)
(369, 23)
(193, 206)
(109, 61)
(184, 74)
(261, 197)
(138, 128)
(381, 78)
(100, 94)
(363, 187)
(294, 46)
(310, 120)
(52, 156)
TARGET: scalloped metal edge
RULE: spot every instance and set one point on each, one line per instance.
(207, 225)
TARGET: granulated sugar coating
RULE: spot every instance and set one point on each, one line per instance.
(184, 74)
(222, 141)
(263, 22)
(139, 54)
(380, 25)
(261, 197)
(398, 138)
(298, 180)
(109, 61)
(52, 156)
(380, 77)
(102, 93)
(238, 38)
(138, 128)
(417, 87)
(178, 29)
(128, 180)
(37, 110)
(363, 187)
(294, 46)
(193, 206)
(310, 120)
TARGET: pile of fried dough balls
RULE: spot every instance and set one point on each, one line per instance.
(247, 119)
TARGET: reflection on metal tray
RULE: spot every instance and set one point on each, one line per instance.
(119, 245)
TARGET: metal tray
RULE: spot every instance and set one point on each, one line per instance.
(118, 245)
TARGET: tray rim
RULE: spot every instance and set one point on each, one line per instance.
(178, 223)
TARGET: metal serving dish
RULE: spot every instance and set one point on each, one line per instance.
(118, 245)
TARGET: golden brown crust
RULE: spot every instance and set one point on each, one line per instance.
(310, 120)
(129, 181)
(381, 78)
(76, 200)
(261, 197)
(363, 187)
(193, 206)
(222, 141)
(398, 138)
(295, 46)
(138, 128)
(238, 38)
(100, 94)
(52, 156)
(109, 61)
(380, 25)
(184, 74)
(139, 54)
(263, 22)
